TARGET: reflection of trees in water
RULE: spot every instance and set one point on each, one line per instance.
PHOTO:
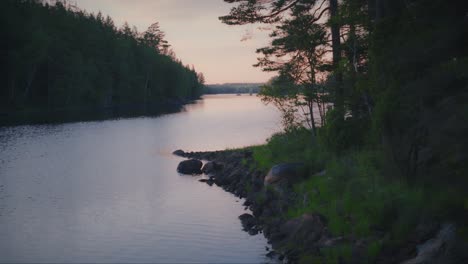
(63, 115)
(194, 105)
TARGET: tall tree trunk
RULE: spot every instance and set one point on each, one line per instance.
(310, 104)
(336, 46)
(352, 36)
(321, 110)
(352, 59)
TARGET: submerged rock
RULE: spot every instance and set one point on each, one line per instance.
(179, 152)
(191, 166)
(207, 181)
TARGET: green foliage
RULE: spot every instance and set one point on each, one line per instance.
(297, 52)
(394, 147)
(356, 194)
(373, 250)
(337, 254)
(340, 135)
(357, 199)
(58, 57)
(296, 145)
(310, 259)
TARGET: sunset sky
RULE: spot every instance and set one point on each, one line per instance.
(223, 53)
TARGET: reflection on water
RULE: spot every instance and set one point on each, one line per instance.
(107, 191)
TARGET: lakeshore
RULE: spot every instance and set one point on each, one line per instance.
(106, 190)
(270, 195)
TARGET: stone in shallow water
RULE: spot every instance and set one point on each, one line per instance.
(179, 152)
(191, 166)
(247, 220)
(249, 224)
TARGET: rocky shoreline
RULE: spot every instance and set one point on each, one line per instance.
(268, 199)
(269, 194)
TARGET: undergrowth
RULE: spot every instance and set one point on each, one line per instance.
(355, 193)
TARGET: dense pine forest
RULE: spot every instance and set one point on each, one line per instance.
(58, 57)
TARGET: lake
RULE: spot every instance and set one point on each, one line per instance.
(108, 191)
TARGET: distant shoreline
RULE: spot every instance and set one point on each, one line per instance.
(233, 88)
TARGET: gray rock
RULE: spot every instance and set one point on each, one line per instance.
(249, 223)
(210, 181)
(285, 173)
(438, 249)
(271, 254)
(179, 152)
(304, 230)
(211, 167)
(191, 166)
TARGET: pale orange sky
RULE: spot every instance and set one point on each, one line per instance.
(195, 33)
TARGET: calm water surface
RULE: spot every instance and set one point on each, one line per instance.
(108, 191)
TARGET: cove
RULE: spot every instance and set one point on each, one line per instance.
(108, 191)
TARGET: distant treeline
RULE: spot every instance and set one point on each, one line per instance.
(60, 57)
(233, 88)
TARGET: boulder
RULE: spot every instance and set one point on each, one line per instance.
(247, 220)
(285, 172)
(271, 254)
(211, 167)
(306, 229)
(249, 224)
(439, 249)
(191, 166)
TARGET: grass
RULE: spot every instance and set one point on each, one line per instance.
(298, 145)
(356, 194)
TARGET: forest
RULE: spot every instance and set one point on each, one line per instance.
(58, 58)
(373, 94)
